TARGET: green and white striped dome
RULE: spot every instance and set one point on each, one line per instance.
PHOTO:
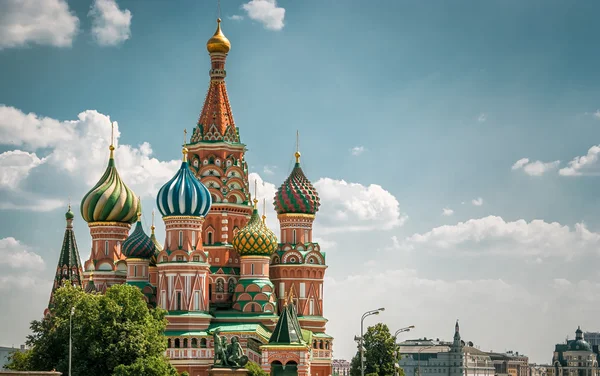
(110, 200)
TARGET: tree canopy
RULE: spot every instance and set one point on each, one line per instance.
(380, 353)
(113, 334)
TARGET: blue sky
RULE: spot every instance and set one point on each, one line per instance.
(404, 109)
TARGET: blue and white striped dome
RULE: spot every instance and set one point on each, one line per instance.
(184, 195)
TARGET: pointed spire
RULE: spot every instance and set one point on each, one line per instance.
(264, 216)
(112, 140)
(152, 227)
(184, 151)
(255, 195)
(69, 263)
(297, 154)
(287, 331)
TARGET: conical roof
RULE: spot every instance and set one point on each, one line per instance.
(287, 331)
(69, 263)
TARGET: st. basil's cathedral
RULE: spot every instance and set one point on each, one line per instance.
(220, 266)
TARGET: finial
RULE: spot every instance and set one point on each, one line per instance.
(112, 140)
(264, 216)
(152, 227)
(290, 296)
(69, 203)
(139, 210)
(297, 155)
(91, 275)
(184, 150)
(255, 194)
(218, 10)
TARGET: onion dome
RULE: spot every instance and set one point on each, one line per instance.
(218, 42)
(297, 194)
(255, 239)
(184, 194)
(138, 244)
(110, 200)
(69, 214)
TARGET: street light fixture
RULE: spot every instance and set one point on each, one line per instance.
(362, 340)
(401, 330)
(70, 337)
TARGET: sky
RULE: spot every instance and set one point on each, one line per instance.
(454, 145)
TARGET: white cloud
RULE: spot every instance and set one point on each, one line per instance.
(269, 170)
(537, 168)
(16, 256)
(357, 150)
(355, 207)
(35, 204)
(110, 25)
(236, 17)
(584, 164)
(266, 12)
(15, 166)
(43, 22)
(77, 149)
(597, 114)
(477, 201)
(494, 235)
(447, 212)
(482, 118)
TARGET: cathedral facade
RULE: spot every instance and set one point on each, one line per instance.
(220, 267)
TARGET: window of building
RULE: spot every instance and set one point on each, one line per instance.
(163, 300)
(193, 239)
(203, 343)
(283, 236)
(180, 239)
(294, 236)
(196, 301)
(135, 270)
(251, 269)
(177, 343)
(194, 342)
(306, 236)
(209, 239)
(185, 343)
(311, 307)
(197, 258)
(178, 301)
(106, 247)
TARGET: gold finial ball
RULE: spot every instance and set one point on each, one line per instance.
(111, 148)
(218, 42)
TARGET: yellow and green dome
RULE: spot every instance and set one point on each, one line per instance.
(110, 200)
(255, 239)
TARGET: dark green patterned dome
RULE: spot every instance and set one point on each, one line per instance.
(255, 239)
(138, 244)
(296, 194)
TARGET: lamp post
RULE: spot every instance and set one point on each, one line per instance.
(401, 330)
(70, 338)
(419, 358)
(362, 340)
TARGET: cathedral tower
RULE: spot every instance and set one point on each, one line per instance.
(255, 244)
(69, 264)
(109, 208)
(217, 158)
(182, 265)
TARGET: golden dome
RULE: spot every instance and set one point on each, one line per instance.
(218, 42)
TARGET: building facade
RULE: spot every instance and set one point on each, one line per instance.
(510, 364)
(341, 367)
(575, 357)
(220, 266)
(456, 358)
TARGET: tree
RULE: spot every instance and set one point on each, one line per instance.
(155, 366)
(380, 353)
(109, 330)
(19, 360)
(255, 370)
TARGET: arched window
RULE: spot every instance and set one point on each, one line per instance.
(180, 239)
(294, 236)
(209, 239)
(185, 343)
(233, 199)
(194, 342)
(203, 343)
(177, 343)
(169, 343)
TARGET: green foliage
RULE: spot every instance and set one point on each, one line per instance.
(255, 370)
(109, 330)
(155, 366)
(185, 373)
(19, 361)
(380, 353)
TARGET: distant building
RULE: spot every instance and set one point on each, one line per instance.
(341, 367)
(541, 370)
(593, 338)
(575, 357)
(5, 354)
(510, 364)
(437, 358)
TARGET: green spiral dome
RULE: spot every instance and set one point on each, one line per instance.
(110, 200)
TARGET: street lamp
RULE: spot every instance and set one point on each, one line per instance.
(401, 330)
(362, 340)
(419, 357)
(70, 338)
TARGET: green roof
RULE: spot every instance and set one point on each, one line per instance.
(287, 331)
(256, 328)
